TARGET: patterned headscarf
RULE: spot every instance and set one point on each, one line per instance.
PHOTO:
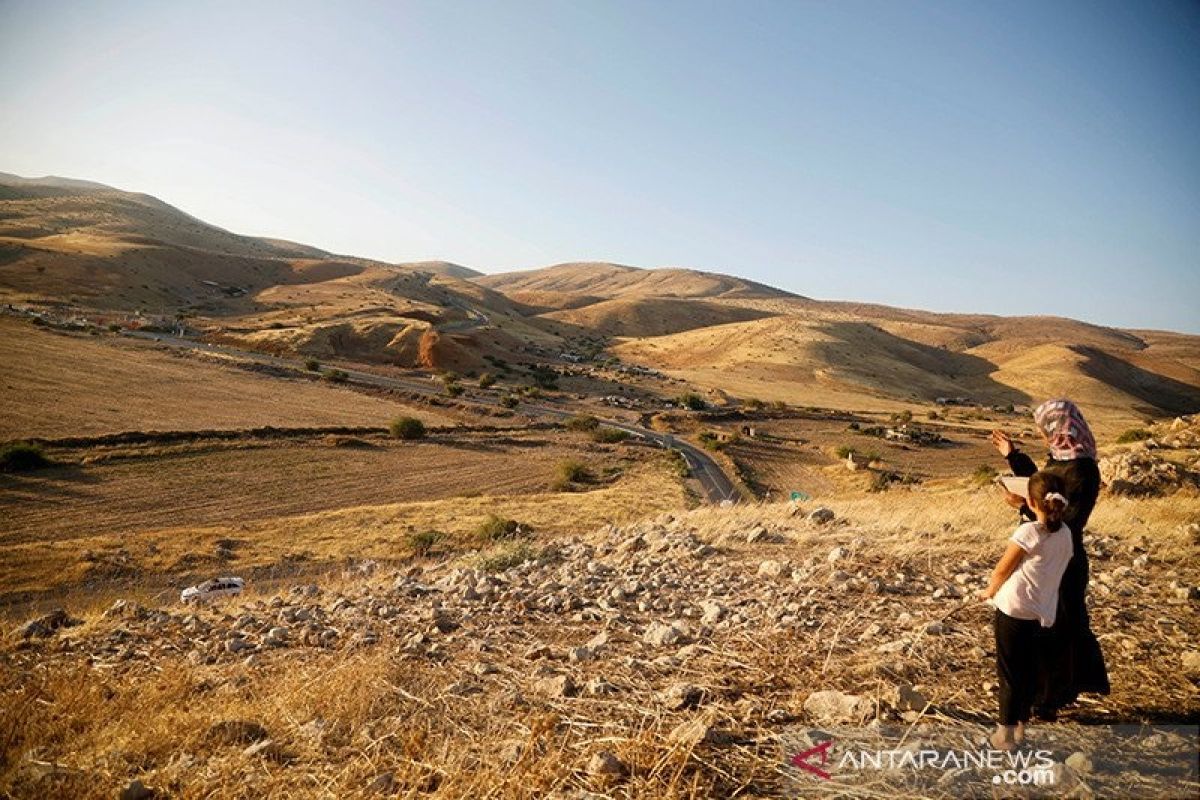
(1065, 429)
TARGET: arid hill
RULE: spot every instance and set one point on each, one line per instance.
(77, 245)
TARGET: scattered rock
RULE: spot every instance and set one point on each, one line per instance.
(383, 783)
(660, 634)
(605, 764)
(1080, 762)
(771, 569)
(556, 686)
(909, 699)
(822, 516)
(680, 696)
(47, 625)
(1191, 663)
(831, 706)
(136, 790)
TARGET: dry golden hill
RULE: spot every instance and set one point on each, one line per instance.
(649, 316)
(616, 280)
(80, 246)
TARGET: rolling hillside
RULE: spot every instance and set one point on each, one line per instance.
(89, 247)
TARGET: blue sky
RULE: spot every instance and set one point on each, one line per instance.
(1013, 158)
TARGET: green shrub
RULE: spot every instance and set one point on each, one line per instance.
(407, 428)
(569, 474)
(487, 380)
(497, 529)
(453, 389)
(583, 422)
(509, 401)
(421, 543)
(779, 405)
(609, 435)
(845, 451)
(678, 464)
(23, 457)
(903, 418)
(312, 365)
(691, 401)
(336, 376)
(984, 474)
(1134, 435)
(506, 556)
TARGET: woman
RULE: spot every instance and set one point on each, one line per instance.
(1075, 662)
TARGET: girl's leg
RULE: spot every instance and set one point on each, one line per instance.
(1014, 668)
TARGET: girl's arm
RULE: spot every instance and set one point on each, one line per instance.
(1008, 563)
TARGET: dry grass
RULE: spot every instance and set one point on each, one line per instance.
(75, 385)
(154, 560)
(143, 488)
(339, 719)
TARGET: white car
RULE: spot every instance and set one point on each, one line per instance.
(212, 589)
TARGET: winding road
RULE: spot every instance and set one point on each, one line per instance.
(717, 486)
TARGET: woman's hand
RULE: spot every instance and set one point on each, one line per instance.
(988, 593)
(1014, 500)
(1002, 442)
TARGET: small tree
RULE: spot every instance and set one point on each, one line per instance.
(691, 401)
(407, 428)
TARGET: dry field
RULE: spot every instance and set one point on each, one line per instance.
(58, 384)
(155, 515)
(123, 489)
(558, 676)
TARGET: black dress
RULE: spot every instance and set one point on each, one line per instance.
(1074, 662)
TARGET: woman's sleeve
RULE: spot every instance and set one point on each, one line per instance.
(1021, 465)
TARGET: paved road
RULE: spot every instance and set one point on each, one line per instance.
(717, 486)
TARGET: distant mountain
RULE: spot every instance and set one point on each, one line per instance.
(95, 248)
(615, 280)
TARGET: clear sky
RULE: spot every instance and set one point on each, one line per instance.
(1008, 157)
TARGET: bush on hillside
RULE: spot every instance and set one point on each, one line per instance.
(497, 529)
(583, 422)
(23, 457)
(609, 435)
(407, 428)
(569, 474)
(421, 543)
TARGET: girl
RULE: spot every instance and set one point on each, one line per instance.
(1074, 661)
(1024, 588)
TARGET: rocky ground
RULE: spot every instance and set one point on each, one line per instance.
(691, 655)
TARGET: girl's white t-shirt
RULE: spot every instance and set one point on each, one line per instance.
(1031, 592)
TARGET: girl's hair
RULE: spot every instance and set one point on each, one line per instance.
(1041, 485)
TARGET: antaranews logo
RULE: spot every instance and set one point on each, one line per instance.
(1025, 767)
(802, 760)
